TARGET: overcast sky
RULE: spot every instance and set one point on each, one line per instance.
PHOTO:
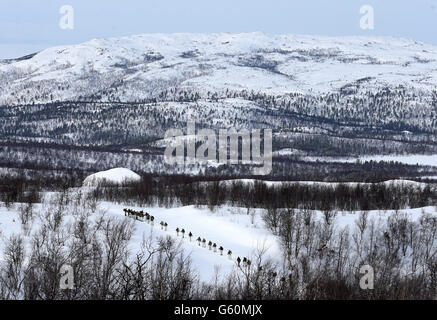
(27, 26)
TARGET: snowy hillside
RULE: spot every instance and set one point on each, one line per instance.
(142, 66)
(231, 227)
(245, 235)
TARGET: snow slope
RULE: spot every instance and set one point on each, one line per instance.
(142, 66)
(113, 176)
(230, 227)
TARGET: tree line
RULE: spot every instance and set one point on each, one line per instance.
(185, 190)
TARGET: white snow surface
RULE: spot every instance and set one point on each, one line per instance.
(113, 176)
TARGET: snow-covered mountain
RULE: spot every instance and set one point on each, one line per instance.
(141, 67)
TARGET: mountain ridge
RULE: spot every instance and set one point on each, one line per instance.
(139, 67)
